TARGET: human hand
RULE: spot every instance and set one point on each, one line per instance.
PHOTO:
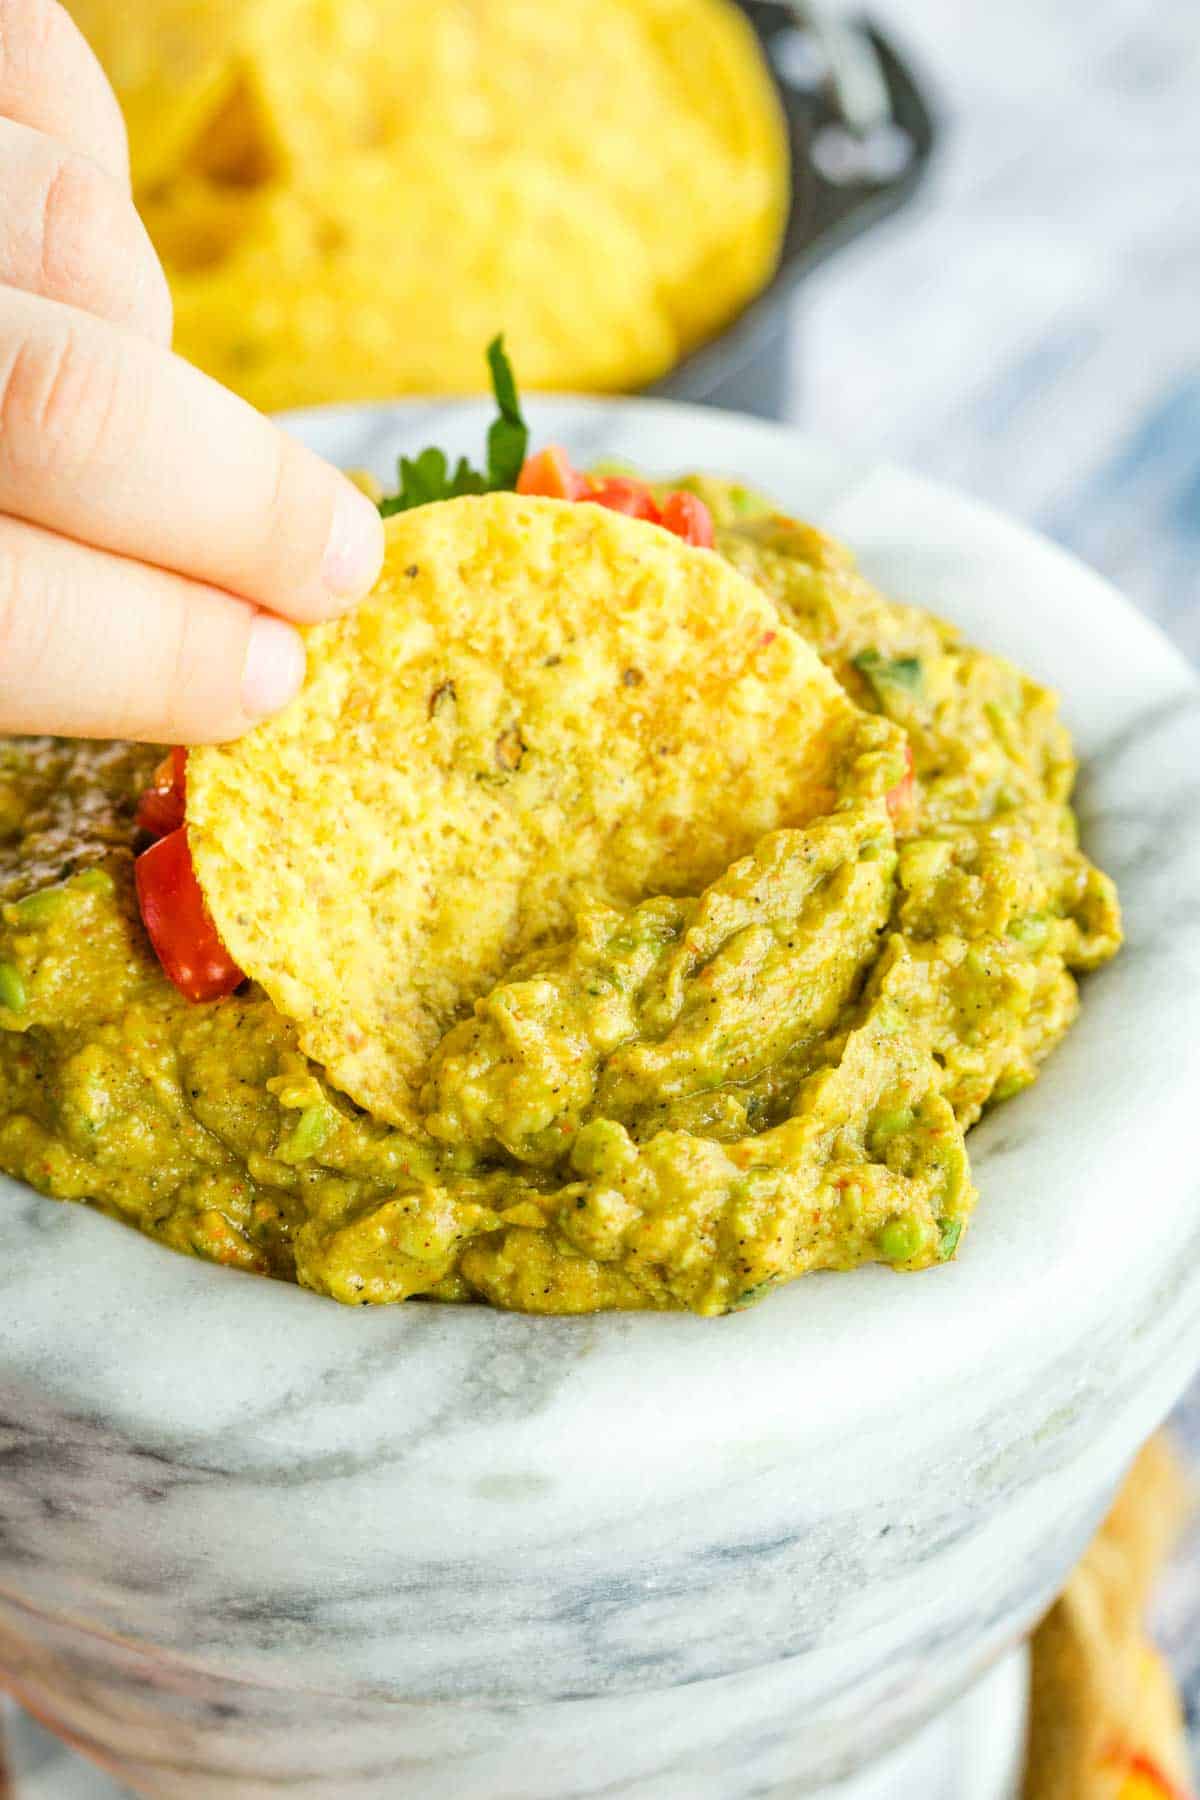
(155, 532)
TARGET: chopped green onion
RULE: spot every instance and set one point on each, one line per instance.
(888, 673)
(42, 907)
(948, 1243)
(95, 880)
(12, 988)
(311, 1134)
(887, 1125)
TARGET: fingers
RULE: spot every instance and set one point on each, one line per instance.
(147, 517)
(75, 236)
(51, 81)
(106, 438)
(92, 646)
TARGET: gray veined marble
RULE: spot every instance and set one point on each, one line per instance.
(252, 1544)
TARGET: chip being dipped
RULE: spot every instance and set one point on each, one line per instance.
(540, 702)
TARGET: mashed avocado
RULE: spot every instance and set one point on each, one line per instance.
(681, 1104)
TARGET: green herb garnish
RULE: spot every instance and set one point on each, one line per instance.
(889, 672)
(428, 477)
(508, 438)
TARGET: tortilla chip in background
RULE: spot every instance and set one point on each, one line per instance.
(1105, 1719)
(715, 68)
(309, 296)
(342, 78)
(172, 63)
(389, 147)
(538, 699)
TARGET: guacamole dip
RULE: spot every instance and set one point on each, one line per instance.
(679, 1103)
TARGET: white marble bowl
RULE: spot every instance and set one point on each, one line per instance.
(252, 1543)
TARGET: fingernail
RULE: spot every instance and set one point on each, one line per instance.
(354, 554)
(274, 667)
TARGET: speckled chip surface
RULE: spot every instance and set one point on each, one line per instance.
(539, 701)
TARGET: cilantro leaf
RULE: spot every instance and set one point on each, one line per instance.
(465, 480)
(508, 439)
(426, 478)
(422, 479)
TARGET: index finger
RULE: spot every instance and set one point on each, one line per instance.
(109, 439)
(51, 80)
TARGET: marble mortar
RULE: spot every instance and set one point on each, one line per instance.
(253, 1544)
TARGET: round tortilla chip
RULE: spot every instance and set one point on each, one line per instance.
(538, 699)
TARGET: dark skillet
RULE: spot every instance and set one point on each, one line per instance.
(862, 136)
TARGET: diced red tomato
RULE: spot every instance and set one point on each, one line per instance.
(902, 799)
(550, 474)
(178, 922)
(622, 495)
(689, 518)
(161, 808)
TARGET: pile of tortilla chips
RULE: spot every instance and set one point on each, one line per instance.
(350, 196)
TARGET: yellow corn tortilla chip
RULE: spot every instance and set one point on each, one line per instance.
(173, 64)
(307, 296)
(609, 197)
(538, 699)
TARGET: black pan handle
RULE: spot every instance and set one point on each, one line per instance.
(848, 174)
